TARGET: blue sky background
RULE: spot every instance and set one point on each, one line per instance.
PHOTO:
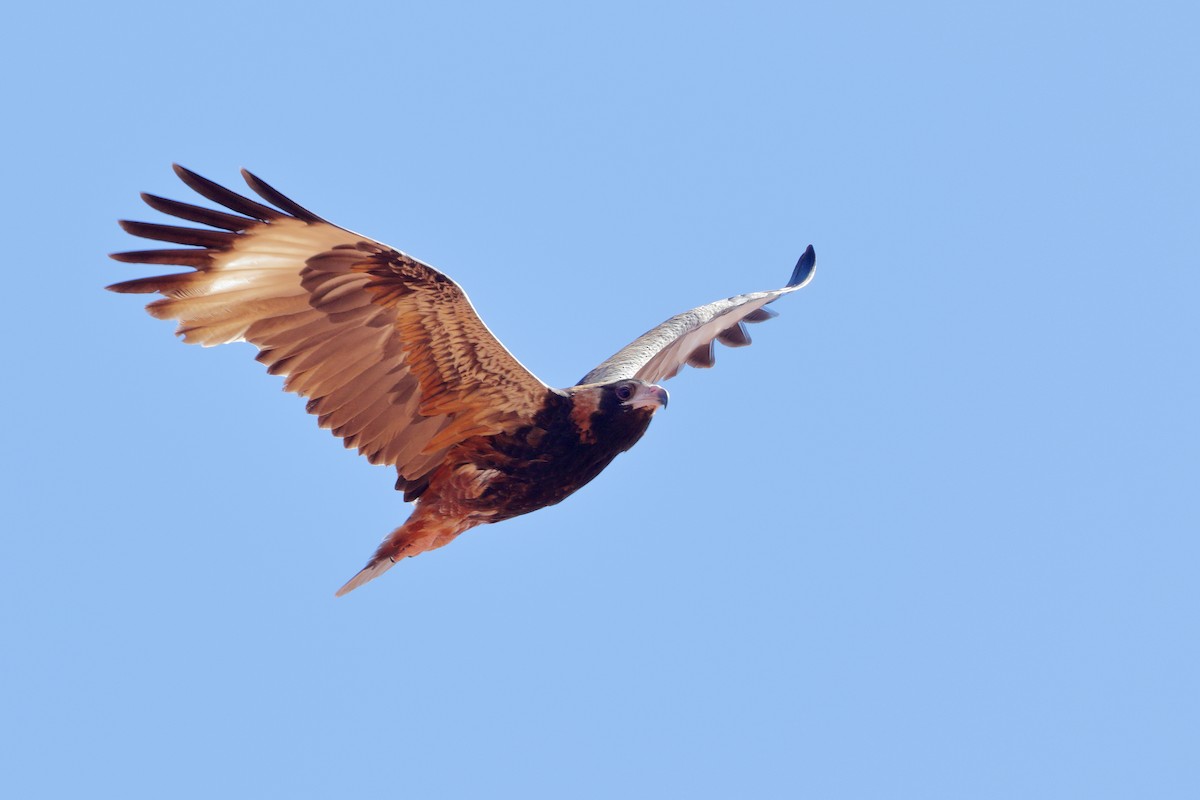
(934, 536)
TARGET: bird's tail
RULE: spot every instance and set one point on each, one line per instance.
(418, 534)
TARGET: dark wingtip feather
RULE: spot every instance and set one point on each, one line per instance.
(205, 216)
(199, 237)
(167, 285)
(178, 257)
(273, 195)
(804, 268)
(225, 197)
(137, 286)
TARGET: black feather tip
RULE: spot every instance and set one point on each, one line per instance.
(804, 267)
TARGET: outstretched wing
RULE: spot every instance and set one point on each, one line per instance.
(389, 351)
(689, 338)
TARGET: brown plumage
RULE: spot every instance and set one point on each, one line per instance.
(394, 360)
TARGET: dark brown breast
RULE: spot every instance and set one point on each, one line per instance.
(541, 464)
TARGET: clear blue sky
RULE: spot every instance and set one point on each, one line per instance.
(935, 535)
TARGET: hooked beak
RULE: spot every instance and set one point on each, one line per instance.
(651, 397)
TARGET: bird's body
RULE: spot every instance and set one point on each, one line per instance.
(394, 360)
(489, 479)
(567, 444)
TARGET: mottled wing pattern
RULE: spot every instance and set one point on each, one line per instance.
(689, 338)
(389, 351)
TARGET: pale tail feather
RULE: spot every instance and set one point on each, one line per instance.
(370, 572)
(418, 534)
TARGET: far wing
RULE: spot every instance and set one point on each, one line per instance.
(689, 338)
(390, 351)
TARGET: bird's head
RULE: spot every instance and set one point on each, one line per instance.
(635, 394)
(616, 413)
(619, 398)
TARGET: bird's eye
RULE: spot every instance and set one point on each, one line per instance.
(624, 392)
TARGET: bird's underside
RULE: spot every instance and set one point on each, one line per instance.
(394, 360)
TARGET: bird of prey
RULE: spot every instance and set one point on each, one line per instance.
(394, 360)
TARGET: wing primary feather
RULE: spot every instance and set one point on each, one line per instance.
(703, 356)
(199, 259)
(222, 196)
(200, 237)
(735, 336)
(204, 216)
(805, 266)
(760, 315)
(169, 285)
(272, 195)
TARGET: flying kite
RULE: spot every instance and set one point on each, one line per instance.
(394, 359)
